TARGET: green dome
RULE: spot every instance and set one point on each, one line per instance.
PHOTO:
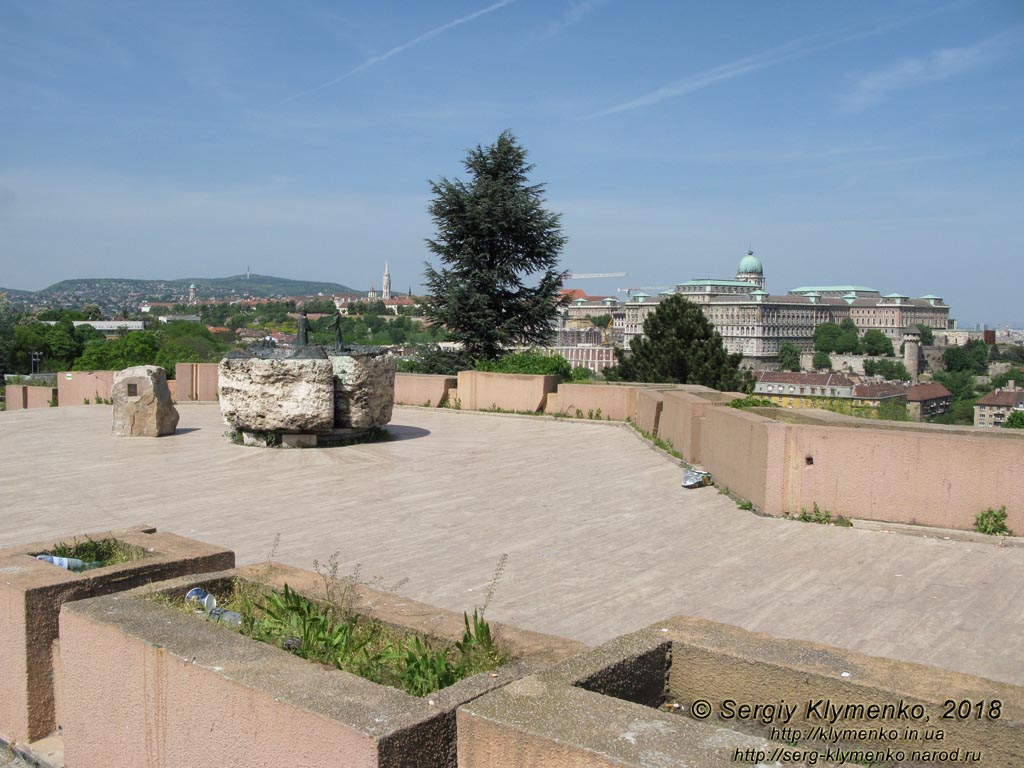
(750, 265)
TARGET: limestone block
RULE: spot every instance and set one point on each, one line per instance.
(364, 388)
(142, 403)
(277, 395)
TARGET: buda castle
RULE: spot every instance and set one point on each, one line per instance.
(754, 323)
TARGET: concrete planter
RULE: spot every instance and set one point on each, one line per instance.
(192, 693)
(710, 670)
(31, 595)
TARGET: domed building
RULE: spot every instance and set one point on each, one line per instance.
(751, 271)
(754, 323)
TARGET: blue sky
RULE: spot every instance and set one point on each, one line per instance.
(876, 143)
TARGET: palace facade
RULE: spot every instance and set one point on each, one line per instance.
(754, 323)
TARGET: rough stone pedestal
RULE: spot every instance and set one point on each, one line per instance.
(267, 395)
(364, 388)
(142, 403)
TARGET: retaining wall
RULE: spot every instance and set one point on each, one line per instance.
(195, 382)
(423, 389)
(481, 390)
(21, 396)
(75, 387)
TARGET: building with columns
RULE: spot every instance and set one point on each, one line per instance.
(754, 322)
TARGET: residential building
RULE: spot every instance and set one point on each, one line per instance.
(811, 390)
(926, 401)
(995, 408)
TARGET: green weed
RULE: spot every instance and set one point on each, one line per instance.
(992, 522)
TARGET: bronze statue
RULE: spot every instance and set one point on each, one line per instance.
(302, 338)
(335, 325)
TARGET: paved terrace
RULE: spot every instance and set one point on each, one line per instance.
(601, 539)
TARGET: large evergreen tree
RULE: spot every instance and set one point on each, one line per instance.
(680, 346)
(493, 235)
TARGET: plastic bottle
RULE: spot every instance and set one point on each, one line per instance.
(68, 563)
(223, 616)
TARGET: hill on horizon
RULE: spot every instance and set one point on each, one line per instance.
(256, 285)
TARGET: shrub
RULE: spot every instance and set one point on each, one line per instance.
(992, 522)
(752, 402)
(528, 362)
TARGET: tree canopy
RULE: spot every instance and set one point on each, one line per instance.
(972, 357)
(493, 235)
(679, 346)
(877, 343)
(789, 356)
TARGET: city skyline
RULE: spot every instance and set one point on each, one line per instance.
(875, 145)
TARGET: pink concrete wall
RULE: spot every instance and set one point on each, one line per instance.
(480, 390)
(615, 402)
(745, 453)
(647, 409)
(195, 382)
(20, 396)
(75, 387)
(182, 714)
(423, 389)
(925, 477)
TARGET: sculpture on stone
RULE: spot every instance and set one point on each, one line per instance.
(302, 337)
(335, 325)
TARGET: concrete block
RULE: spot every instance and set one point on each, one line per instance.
(192, 693)
(31, 595)
(604, 707)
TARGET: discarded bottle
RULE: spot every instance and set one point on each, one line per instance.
(223, 616)
(68, 563)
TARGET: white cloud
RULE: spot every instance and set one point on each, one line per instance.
(875, 87)
(428, 35)
(574, 14)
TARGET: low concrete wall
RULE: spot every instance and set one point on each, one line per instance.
(647, 409)
(738, 448)
(190, 693)
(76, 387)
(597, 401)
(31, 595)
(682, 418)
(600, 709)
(481, 390)
(195, 382)
(21, 396)
(922, 476)
(423, 389)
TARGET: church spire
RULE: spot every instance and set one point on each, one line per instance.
(386, 287)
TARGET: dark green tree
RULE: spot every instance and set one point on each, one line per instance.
(972, 357)
(8, 342)
(493, 234)
(679, 346)
(826, 336)
(821, 361)
(1016, 420)
(927, 336)
(877, 343)
(789, 356)
(893, 370)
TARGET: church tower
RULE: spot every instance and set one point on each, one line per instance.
(386, 287)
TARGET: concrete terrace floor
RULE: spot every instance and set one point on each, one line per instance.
(601, 539)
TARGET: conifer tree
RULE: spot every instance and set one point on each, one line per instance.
(680, 346)
(494, 238)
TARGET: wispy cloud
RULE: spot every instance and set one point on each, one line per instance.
(573, 15)
(428, 35)
(875, 87)
(788, 51)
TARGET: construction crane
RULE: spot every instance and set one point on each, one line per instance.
(630, 291)
(592, 275)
